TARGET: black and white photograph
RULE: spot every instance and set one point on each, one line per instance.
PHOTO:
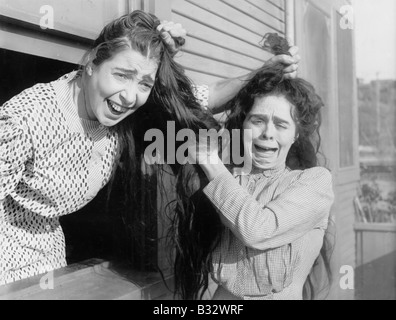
(198, 150)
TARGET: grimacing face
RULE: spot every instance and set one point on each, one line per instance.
(273, 131)
(119, 86)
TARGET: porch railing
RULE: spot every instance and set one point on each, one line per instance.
(376, 261)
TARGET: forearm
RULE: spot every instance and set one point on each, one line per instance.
(239, 211)
(303, 206)
(224, 90)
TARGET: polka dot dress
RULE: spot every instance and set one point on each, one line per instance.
(52, 163)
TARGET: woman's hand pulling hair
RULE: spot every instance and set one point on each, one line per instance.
(283, 54)
(289, 61)
(173, 34)
(204, 151)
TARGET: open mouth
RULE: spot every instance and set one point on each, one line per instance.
(117, 109)
(265, 150)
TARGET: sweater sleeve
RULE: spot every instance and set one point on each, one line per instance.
(15, 150)
(201, 93)
(303, 206)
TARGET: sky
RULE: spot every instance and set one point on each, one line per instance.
(375, 31)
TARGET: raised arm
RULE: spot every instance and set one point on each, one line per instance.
(222, 91)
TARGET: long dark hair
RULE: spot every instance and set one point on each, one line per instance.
(171, 99)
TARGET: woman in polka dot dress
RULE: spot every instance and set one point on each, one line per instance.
(61, 142)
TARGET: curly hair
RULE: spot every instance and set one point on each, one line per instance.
(269, 81)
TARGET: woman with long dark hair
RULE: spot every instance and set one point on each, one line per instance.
(61, 142)
(263, 231)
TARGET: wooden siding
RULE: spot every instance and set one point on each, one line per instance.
(76, 24)
(224, 35)
(82, 18)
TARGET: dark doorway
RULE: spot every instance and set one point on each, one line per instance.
(20, 71)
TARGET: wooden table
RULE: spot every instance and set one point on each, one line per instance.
(89, 280)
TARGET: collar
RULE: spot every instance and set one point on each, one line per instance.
(269, 172)
(259, 173)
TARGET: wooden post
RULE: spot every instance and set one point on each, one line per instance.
(290, 19)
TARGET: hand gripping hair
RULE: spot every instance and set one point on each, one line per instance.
(275, 44)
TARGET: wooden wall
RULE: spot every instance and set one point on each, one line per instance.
(75, 24)
(224, 35)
